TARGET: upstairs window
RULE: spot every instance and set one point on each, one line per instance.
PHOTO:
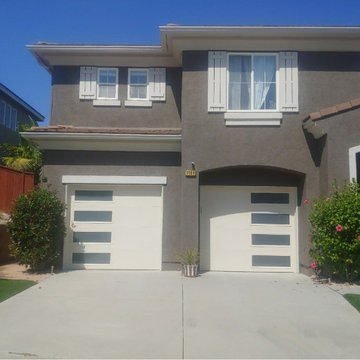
(138, 84)
(107, 84)
(252, 82)
(100, 85)
(253, 89)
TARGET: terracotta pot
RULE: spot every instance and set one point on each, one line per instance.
(190, 270)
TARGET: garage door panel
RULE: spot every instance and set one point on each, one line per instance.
(248, 228)
(114, 227)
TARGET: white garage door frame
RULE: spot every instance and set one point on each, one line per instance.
(226, 211)
(119, 186)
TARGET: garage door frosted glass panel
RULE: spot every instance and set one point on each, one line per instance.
(269, 260)
(92, 237)
(96, 216)
(269, 198)
(277, 219)
(264, 239)
(93, 195)
(91, 258)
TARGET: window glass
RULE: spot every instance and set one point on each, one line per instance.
(92, 237)
(269, 260)
(93, 195)
(240, 82)
(252, 82)
(259, 218)
(269, 198)
(8, 116)
(358, 167)
(138, 81)
(93, 216)
(14, 119)
(265, 239)
(2, 113)
(107, 83)
(91, 258)
(138, 77)
(264, 82)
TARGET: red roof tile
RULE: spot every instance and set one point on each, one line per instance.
(332, 110)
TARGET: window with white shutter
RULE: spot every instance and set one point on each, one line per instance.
(157, 84)
(288, 83)
(145, 86)
(217, 81)
(88, 76)
(252, 88)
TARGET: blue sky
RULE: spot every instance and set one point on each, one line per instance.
(134, 22)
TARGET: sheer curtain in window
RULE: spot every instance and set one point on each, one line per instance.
(264, 79)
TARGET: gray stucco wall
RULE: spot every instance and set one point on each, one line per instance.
(325, 79)
(68, 109)
(59, 163)
(342, 133)
(284, 155)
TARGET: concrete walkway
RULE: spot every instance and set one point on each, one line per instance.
(118, 314)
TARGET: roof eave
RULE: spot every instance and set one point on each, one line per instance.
(104, 142)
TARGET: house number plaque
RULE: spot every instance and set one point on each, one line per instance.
(190, 173)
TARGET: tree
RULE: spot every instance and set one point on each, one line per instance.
(23, 157)
(37, 229)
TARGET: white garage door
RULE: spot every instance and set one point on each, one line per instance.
(248, 228)
(114, 227)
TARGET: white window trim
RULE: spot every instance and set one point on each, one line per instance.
(98, 83)
(106, 102)
(252, 54)
(138, 103)
(147, 86)
(115, 180)
(352, 162)
(255, 118)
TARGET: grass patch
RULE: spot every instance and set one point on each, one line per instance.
(354, 300)
(10, 288)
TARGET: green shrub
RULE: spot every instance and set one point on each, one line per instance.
(335, 233)
(37, 229)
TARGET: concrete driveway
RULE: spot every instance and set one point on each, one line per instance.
(118, 314)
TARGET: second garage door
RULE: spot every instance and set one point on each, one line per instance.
(248, 228)
(114, 227)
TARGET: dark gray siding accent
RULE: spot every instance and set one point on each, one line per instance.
(111, 158)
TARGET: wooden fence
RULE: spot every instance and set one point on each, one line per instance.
(12, 184)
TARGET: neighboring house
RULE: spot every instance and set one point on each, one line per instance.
(14, 112)
(212, 140)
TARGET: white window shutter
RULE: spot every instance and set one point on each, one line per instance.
(217, 87)
(87, 88)
(289, 87)
(157, 84)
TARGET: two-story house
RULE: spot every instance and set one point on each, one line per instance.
(212, 140)
(14, 112)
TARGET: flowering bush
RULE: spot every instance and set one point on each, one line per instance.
(37, 229)
(335, 233)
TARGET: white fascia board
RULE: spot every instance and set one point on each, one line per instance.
(114, 180)
(105, 142)
(94, 49)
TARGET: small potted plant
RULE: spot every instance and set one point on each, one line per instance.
(189, 261)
